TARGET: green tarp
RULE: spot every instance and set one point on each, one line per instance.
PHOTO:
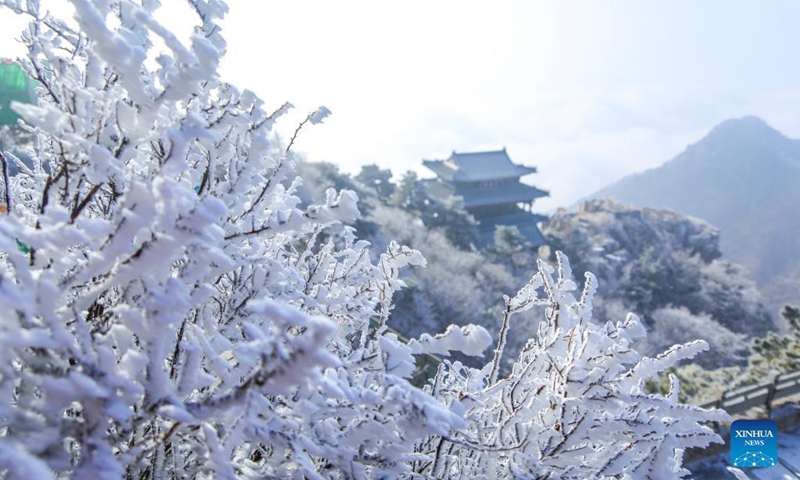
(14, 86)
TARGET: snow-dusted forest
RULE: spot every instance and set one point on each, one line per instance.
(171, 307)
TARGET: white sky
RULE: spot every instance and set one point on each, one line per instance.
(587, 91)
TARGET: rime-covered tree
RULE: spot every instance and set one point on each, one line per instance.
(411, 195)
(171, 310)
(509, 248)
(776, 354)
(378, 179)
(458, 286)
(667, 267)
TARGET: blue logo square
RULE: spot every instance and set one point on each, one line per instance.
(754, 443)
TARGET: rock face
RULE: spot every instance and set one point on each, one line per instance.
(666, 267)
(743, 177)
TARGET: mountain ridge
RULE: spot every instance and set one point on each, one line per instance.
(744, 178)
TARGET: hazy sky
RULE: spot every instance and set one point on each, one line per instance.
(585, 91)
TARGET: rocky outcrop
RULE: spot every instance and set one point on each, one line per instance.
(666, 267)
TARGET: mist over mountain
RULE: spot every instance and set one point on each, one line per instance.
(744, 178)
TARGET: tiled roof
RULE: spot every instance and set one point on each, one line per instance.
(477, 166)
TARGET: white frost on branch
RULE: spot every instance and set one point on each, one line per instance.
(319, 115)
(470, 340)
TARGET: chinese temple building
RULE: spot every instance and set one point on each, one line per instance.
(489, 186)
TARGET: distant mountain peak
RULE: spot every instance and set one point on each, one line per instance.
(748, 128)
(748, 121)
(744, 178)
